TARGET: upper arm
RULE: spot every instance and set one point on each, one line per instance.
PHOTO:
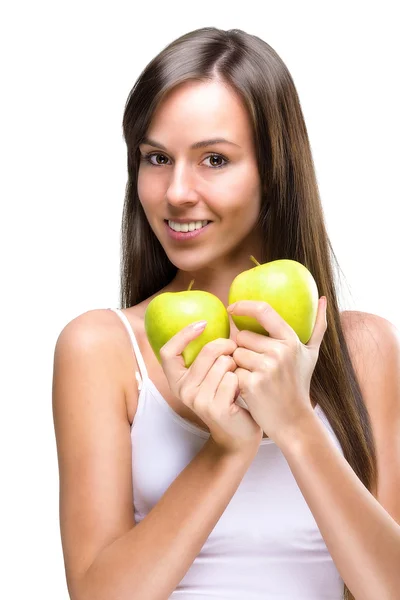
(374, 346)
(93, 442)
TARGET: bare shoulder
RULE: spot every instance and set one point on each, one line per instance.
(93, 440)
(370, 338)
(93, 325)
(103, 330)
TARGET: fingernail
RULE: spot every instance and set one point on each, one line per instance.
(199, 325)
(231, 307)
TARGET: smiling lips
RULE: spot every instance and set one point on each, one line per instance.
(187, 225)
(180, 235)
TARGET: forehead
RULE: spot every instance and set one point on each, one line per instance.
(200, 110)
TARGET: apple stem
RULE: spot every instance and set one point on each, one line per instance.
(255, 261)
(190, 285)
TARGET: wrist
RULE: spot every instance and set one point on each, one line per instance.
(299, 434)
(243, 456)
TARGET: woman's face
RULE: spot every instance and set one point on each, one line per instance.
(216, 181)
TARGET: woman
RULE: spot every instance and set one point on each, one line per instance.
(283, 499)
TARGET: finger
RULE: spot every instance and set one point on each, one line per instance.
(320, 326)
(208, 389)
(224, 396)
(254, 341)
(207, 356)
(243, 376)
(171, 357)
(247, 359)
(266, 316)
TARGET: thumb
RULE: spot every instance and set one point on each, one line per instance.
(170, 353)
(321, 324)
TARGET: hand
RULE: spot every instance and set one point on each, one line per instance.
(274, 372)
(209, 388)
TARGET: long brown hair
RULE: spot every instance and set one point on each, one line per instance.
(291, 215)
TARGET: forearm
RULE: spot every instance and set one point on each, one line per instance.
(153, 557)
(361, 536)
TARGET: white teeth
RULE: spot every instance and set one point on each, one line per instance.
(184, 227)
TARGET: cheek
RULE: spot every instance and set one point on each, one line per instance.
(250, 184)
(246, 186)
(150, 191)
(143, 186)
(240, 191)
(245, 206)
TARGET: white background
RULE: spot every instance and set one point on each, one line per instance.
(67, 69)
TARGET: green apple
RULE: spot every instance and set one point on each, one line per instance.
(287, 285)
(170, 312)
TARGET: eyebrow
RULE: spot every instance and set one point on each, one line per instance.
(194, 146)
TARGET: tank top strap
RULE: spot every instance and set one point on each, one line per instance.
(138, 354)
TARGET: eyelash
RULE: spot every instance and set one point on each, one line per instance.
(146, 158)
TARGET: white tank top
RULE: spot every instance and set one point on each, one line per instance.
(266, 544)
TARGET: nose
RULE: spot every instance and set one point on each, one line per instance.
(181, 188)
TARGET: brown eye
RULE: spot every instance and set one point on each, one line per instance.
(163, 156)
(147, 158)
(217, 157)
